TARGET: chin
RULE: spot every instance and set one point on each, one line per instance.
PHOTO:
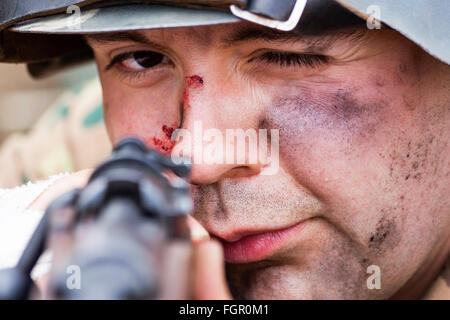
(275, 282)
(298, 279)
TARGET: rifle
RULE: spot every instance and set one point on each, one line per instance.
(116, 232)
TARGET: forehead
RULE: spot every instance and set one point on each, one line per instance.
(197, 33)
(207, 34)
(226, 35)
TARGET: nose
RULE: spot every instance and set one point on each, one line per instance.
(220, 139)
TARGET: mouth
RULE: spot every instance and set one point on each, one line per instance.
(255, 246)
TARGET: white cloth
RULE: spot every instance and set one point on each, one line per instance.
(17, 223)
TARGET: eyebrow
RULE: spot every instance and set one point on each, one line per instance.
(268, 35)
(121, 36)
(312, 43)
(319, 42)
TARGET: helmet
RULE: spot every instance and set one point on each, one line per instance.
(45, 34)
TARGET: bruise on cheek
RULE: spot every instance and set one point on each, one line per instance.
(325, 122)
(192, 82)
(332, 113)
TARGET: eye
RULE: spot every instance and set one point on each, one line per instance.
(138, 61)
(287, 59)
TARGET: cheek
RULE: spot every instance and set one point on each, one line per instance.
(143, 114)
(364, 152)
(339, 122)
(329, 123)
(331, 137)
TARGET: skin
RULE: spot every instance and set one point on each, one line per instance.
(364, 153)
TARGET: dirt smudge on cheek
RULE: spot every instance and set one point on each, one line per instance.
(414, 159)
(386, 235)
(192, 82)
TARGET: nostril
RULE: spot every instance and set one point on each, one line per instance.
(242, 172)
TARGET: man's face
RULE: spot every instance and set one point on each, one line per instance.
(363, 178)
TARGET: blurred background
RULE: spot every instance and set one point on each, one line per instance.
(50, 125)
(23, 99)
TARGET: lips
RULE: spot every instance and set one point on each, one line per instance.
(258, 245)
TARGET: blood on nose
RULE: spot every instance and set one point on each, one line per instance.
(165, 144)
(192, 82)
